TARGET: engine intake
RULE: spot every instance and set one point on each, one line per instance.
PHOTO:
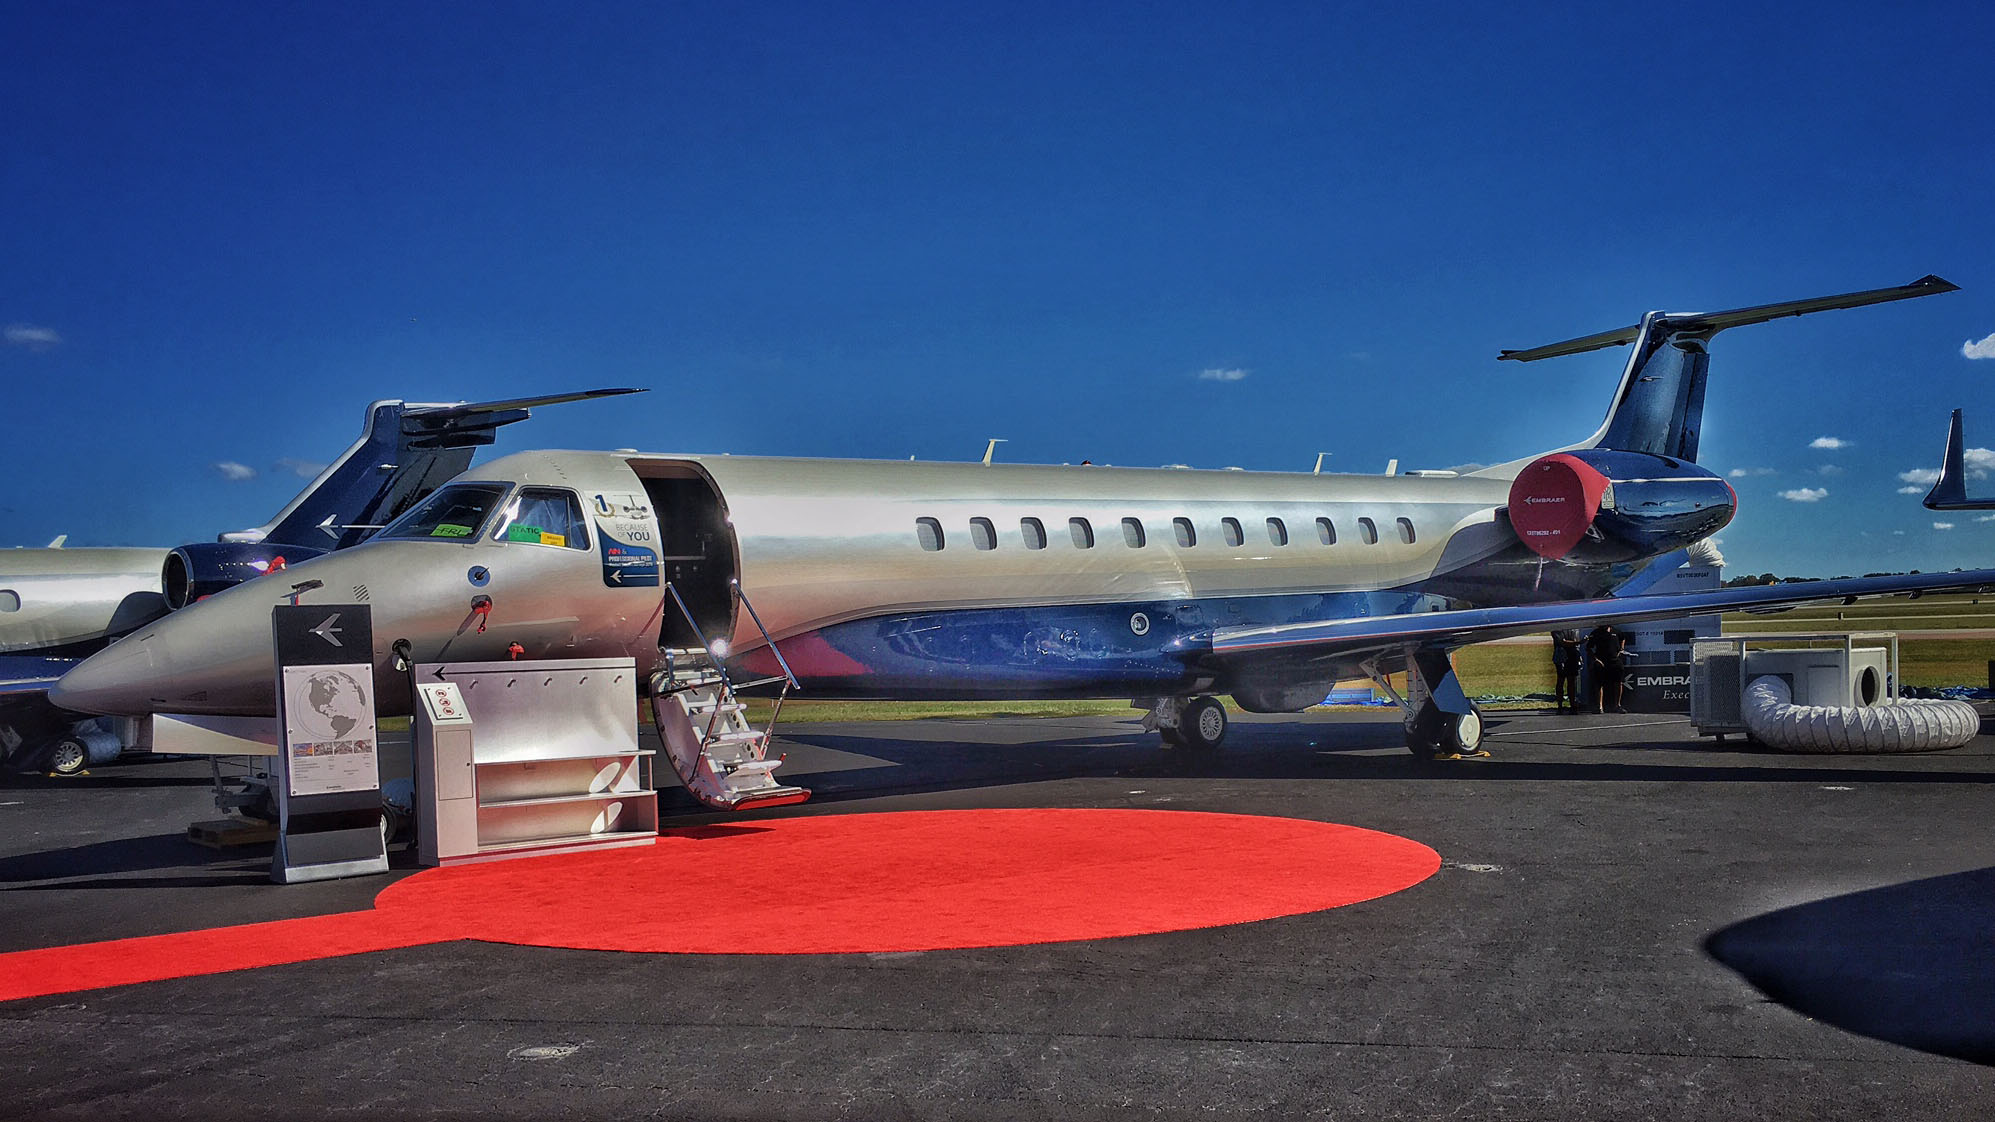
(202, 569)
(1600, 506)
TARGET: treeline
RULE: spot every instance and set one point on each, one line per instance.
(1769, 578)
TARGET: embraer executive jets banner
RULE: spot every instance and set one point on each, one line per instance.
(326, 699)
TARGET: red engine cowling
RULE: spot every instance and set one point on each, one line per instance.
(1600, 506)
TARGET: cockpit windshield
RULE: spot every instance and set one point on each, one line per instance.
(454, 513)
(543, 516)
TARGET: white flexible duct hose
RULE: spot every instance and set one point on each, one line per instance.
(1904, 726)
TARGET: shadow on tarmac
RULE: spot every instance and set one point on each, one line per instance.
(1268, 750)
(1907, 964)
(126, 855)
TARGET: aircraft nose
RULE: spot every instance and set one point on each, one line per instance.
(117, 680)
(208, 658)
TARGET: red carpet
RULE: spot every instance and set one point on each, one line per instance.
(926, 880)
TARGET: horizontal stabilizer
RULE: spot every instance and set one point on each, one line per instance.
(471, 408)
(1710, 323)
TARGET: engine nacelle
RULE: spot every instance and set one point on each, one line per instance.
(1600, 506)
(205, 568)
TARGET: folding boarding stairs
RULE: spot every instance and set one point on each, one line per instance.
(704, 728)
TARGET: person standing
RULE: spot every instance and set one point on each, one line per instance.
(1565, 666)
(1605, 651)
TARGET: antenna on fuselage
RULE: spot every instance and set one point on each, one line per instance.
(1319, 463)
(991, 448)
(1392, 467)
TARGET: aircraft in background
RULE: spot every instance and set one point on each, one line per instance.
(1950, 489)
(60, 605)
(903, 580)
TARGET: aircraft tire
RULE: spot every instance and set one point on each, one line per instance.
(68, 756)
(1464, 732)
(1171, 738)
(1203, 724)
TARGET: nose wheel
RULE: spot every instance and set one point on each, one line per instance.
(1198, 723)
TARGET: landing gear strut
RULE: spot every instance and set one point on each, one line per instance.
(1187, 722)
(1441, 722)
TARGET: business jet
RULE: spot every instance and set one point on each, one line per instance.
(906, 580)
(59, 605)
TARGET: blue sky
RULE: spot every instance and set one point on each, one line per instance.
(1137, 234)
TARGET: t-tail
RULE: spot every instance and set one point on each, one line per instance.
(1633, 489)
(406, 451)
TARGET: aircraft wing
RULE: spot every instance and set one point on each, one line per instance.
(29, 675)
(1343, 640)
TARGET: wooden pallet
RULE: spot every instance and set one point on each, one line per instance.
(224, 832)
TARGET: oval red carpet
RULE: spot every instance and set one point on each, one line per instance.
(919, 880)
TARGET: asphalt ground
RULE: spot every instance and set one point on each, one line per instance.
(1629, 923)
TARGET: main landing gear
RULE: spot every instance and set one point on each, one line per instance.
(1441, 722)
(1186, 722)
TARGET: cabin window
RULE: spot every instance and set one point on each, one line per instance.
(1325, 532)
(544, 516)
(983, 535)
(1034, 532)
(1277, 532)
(1082, 532)
(928, 532)
(1187, 537)
(1368, 530)
(1406, 530)
(1132, 532)
(1230, 529)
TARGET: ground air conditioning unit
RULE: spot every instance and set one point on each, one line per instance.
(1842, 676)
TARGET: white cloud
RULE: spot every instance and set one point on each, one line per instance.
(1984, 518)
(1911, 490)
(1221, 374)
(1742, 473)
(1828, 469)
(1978, 461)
(1829, 442)
(234, 472)
(1984, 349)
(303, 469)
(1927, 476)
(1805, 494)
(1942, 525)
(32, 337)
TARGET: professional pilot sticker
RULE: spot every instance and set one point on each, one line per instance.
(628, 543)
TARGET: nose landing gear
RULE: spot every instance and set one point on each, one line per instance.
(1187, 722)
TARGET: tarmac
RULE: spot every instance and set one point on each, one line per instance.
(1629, 922)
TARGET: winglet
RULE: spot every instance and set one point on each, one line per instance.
(1950, 489)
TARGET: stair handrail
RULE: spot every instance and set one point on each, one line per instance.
(754, 615)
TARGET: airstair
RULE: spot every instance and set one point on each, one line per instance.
(703, 724)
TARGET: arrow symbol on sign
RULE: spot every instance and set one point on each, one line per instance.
(328, 632)
(617, 575)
